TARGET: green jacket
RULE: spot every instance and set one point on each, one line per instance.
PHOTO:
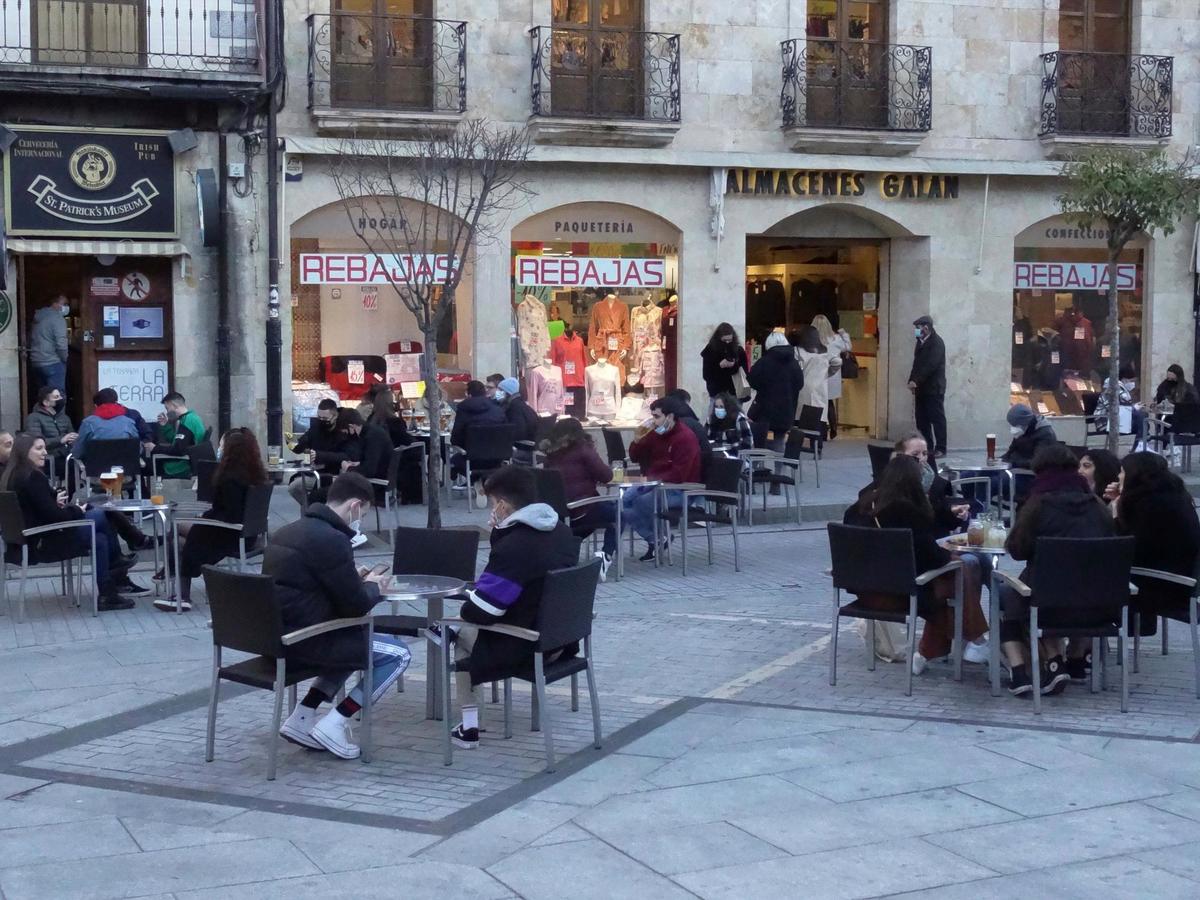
(188, 431)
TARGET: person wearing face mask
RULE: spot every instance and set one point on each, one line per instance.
(722, 358)
(1125, 388)
(927, 381)
(517, 412)
(329, 447)
(1175, 388)
(527, 541)
(668, 451)
(729, 425)
(178, 429)
(49, 420)
(48, 344)
(312, 564)
(1030, 432)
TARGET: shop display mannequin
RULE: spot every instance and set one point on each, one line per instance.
(603, 382)
(532, 333)
(646, 325)
(569, 353)
(670, 336)
(1076, 340)
(635, 405)
(608, 334)
(546, 391)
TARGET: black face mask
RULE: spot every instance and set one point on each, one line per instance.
(329, 424)
(60, 405)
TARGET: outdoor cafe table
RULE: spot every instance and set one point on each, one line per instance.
(164, 514)
(432, 590)
(996, 553)
(289, 468)
(621, 487)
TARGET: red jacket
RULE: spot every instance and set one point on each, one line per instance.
(582, 469)
(673, 457)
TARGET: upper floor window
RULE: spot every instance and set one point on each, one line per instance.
(847, 63)
(382, 54)
(1093, 26)
(596, 58)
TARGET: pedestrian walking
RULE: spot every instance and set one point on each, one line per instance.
(48, 344)
(927, 381)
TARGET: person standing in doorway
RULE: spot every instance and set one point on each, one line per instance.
(927, 381)
(48, 344)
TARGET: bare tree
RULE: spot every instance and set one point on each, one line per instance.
(420, 208)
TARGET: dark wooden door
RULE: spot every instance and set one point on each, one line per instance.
(596, 58)
(381, 54)
(846, 77)
(1093, 77)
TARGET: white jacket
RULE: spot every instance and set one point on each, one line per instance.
(816, 368)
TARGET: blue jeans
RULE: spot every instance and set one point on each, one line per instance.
(638, 512)
(55, 375)
(105, 543)
(602, 515)
(390, 657)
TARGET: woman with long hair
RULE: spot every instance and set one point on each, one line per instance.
(386, 415)
(722, 357)
(729, 425)
(900, 500)
(24, 476)
(818, 363)
(1155, 508)
(837, 342)
(1100, 469)
(570, 451)
(239, 468)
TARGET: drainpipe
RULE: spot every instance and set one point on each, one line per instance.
(224, 367)
(274, 327)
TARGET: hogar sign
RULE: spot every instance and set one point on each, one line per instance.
(1064, 276)
(590, 272)
(372, 268)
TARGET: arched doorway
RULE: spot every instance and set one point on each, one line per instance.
(349, 327)
(830, 260)
(597, 284)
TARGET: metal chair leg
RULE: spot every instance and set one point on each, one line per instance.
(1035, 662)
(912, 642)
(213, 699)
(833, 636)
(575, 692)
(737, 561)
(291, 699)
(1137, 641)
(870, 645)
(1124, 668)
(507, 708)
(276, 719)
(1095, 666)
(448, 747)
(593, 698)
(535, 712)
(539, 676)
(495, 692)
(1164, 620)
(959, 637)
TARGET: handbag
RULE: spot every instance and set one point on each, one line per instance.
(741, 385)
(849, 364)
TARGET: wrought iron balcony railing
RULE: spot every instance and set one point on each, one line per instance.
(866, 86)
(1112, 94)
(163, 37)
(602, 74)
(397, 63)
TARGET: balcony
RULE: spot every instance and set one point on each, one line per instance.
(606, 88)
(194, 40)
(1091, 99)
(856, 98)
(394, 74)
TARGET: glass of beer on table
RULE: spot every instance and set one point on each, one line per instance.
(991, 448)
(109, 481)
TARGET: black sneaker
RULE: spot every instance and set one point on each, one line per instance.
(115, 602)
(648, 555)
(1019, 682)
(1080, 669)
(465, 738)
(1055, 676)
(128, 586)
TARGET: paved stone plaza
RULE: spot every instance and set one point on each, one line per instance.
(730, 767)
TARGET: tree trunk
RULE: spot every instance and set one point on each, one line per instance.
(1113, 389)
(433, 405)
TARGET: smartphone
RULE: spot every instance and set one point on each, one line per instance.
(380, 569)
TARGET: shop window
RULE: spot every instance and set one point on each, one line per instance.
(596, 58)
(1062, 332)
(846, 75)
(382, 54)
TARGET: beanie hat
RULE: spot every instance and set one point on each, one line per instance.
(510, 386)
(1021, 416)
(776, 339)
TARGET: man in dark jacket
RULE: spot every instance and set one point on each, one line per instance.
(49, 421)
(518, 413)
(528, 540)
(927, 381)
(474, 409)
(316, 580)
(375, 449)
(333, 445)
(777, 380)
(1030, 433)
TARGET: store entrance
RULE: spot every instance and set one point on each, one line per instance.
(792, 281)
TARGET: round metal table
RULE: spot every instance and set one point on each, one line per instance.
(621, 487)
(432, 590)
(159, 512)
(996, 553)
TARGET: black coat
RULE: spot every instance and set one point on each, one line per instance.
(333, 446)
(207, 546)
(521, 416)
(716, 379)
(1167, 535)
(396, 429)
(1025, 446)
(475, 411)
(375, 452)
(39, 504)
(929, 366)
(316, 580)
(1076, 513)
(778, 379)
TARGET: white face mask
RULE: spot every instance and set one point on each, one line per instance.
(917, 333)
(1016, 430)
(501, 395)
(66, 310)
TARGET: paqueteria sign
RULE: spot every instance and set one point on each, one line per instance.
(372, 268)
(590, 272)
(1071, 276)
(100, 182)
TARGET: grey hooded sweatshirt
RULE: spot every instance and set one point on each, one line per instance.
(48, 337)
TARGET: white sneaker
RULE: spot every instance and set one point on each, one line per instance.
(606, 560)
(919, 663)
(481, 500)
(167, 604)
(977, 652)
(334, 734)
(298, 728)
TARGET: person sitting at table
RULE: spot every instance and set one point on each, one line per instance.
(332, 444)
(667, 451)
(519, 414)
(178, 429)
(312, 564)
(1175, 389)
(1060, 504)
(6, 445)
(49, 420)
(240, 468)
(1100, 469)
(950, 512)
(1030, 432)
(527, 541)
(571, 451)
(25, 476)
(901, 501)
(490, 385)
(387, 416)
(474, 409)
(1154, 506)
(729, 425)
(108, 422)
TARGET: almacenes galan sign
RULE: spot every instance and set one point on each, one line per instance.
(97, 183)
